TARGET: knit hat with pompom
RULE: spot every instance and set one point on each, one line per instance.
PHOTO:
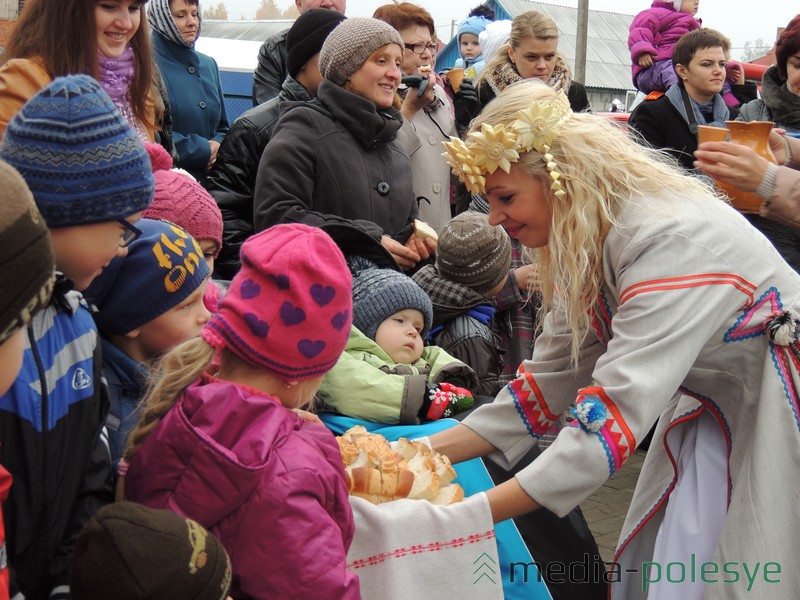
(181, 200)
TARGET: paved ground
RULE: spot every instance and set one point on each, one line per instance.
(605, 510)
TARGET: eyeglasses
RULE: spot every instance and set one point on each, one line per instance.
(130, 233)
(420, 47)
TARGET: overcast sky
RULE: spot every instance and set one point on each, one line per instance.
(740, 21)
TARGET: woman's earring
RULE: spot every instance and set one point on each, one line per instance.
(289, 385)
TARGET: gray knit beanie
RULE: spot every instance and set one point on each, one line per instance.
(472, 252)
(380, 293)
(351, 44)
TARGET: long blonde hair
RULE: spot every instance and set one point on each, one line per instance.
(602, 171)
(528, 25)
(177, 370)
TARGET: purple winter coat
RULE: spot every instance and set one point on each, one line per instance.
(656, 30)
(269, 485)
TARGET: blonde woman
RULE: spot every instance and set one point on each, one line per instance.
(659, 299)
(530, 53)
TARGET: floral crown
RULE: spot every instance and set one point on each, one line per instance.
(484, 151)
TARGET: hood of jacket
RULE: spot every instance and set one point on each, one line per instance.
(293, 91)
(213, 449)
(783, 104)
(450, 299)
(369, 125)
(131, 375)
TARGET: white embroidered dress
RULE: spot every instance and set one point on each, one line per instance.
(679, 332)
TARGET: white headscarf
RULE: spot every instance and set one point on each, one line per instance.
(495, 35)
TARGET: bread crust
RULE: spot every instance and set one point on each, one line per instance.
(377, 473)
(424, 231)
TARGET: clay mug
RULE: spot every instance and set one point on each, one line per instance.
(753, 134)
(455, 76)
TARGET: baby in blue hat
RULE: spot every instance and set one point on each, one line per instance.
(469, 45)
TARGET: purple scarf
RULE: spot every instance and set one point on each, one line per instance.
(116, 77)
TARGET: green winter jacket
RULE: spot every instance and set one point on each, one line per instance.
(367, 384)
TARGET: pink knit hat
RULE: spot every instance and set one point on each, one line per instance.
(289, 308)
(179, 199)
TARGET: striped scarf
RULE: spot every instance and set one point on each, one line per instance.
(161, 20)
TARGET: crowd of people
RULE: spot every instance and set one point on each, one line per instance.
(184, 302)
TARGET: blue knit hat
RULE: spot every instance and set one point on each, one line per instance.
(473, 25)
(380, 293)
(79, 156)
(163, 267)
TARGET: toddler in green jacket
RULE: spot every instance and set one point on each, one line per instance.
(386, 373)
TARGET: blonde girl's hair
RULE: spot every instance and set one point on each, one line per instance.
(176, 371)
(528, 25)
(602, 171)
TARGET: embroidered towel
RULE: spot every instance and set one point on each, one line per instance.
(414, 549)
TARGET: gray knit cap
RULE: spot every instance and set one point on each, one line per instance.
(351, 44)
(380, 293)
(472, 252)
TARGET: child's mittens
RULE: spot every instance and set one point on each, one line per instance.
(445, 400)
(733, 71)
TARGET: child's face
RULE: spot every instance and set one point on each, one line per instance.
(690, 6)
(470, 47)
(399, 336)
(209, 249)
(11, 352)
(179, 324)
(83, 251)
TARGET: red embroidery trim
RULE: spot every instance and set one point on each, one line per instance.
(421, 549)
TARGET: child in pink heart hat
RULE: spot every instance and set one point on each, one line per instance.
(221, 440)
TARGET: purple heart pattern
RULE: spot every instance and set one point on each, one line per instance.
(339, 320)
(322, 294)
(310, 348)
(256, 325)
(249, 290)
(291, 315)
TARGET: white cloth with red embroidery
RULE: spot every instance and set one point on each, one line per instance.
(414, 549)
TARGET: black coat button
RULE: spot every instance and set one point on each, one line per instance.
(383, 188)
(191, 69)
(202, 105)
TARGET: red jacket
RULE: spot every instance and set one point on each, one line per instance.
(269, 485)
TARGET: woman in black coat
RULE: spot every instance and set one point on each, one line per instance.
(335, 159)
